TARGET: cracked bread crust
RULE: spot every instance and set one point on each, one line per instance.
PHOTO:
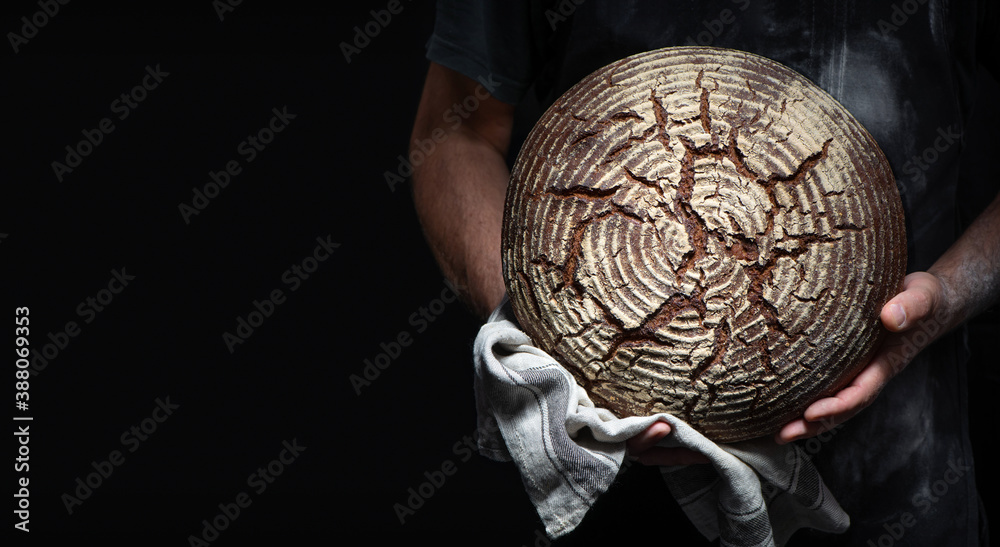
(703, 232)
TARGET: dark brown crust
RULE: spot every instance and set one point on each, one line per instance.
(703, 232)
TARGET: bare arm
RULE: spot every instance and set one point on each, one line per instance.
(970, 269)
(459, 189)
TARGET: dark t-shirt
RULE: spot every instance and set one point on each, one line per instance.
(906, 70)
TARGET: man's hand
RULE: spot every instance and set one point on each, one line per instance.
(914, 317)
(962, 283)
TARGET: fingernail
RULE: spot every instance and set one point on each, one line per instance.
(898, 315)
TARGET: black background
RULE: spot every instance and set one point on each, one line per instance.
(324, 175)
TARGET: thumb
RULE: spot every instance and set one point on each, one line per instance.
(920, 296)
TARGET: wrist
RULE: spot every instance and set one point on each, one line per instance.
(952, 306)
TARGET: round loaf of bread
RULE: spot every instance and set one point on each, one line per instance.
(703, 232)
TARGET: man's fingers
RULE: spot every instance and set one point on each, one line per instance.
(920, 299)
(849, 400)
(644, 450)
(648, 438)
(826, 413)
(917, 301)
(856, 396)
(797, 429)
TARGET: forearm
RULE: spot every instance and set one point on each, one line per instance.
(459, 195)
(970, 270)
(459, 189)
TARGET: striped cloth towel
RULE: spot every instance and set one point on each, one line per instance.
(532, 412)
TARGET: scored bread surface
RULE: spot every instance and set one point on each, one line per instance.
(703, 232)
